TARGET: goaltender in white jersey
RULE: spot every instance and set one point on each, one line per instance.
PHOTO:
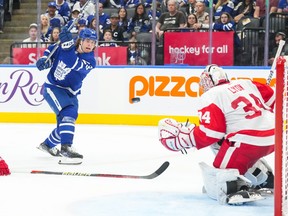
(237, 122)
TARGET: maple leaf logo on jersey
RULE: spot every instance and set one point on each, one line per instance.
(61, 71)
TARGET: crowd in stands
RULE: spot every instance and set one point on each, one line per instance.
(128, 18)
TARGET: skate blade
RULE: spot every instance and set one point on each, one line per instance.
(70, 161)
(239, 200)
(266, 191)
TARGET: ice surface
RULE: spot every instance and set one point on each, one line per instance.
(132, 150)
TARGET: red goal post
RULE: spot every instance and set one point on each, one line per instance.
(281, 139)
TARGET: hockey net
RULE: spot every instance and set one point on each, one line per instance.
(281, 139)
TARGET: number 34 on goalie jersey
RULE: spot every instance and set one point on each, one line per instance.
(241, 105)
(252, 110)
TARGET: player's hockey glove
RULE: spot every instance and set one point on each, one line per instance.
(174, 135)
(41, 64)
(4, 170)
(66, 39)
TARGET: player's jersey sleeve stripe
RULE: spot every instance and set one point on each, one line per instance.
(271, 101)
(254, 140)
(227, 157)
(211, 133)
(253, 137)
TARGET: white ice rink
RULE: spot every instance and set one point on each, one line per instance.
(130, 150)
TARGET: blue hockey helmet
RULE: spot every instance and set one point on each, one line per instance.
(88, 33)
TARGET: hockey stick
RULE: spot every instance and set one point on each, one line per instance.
(280, 47)
(69, 29)
(155, 174)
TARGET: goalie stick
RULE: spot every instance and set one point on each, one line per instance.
(280, 47)
(153, 175)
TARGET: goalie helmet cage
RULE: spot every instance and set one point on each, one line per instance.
(281, 139)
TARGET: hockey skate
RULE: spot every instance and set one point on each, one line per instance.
(52, 151)
(69, 152)
(242, 197)
(70, 156)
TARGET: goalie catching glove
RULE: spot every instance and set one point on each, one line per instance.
(4, 170)
(174, 135)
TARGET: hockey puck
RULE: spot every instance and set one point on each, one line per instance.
(135, 100)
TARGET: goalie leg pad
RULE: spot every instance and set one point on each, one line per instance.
(218, 183)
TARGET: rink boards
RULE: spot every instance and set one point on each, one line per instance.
(171, 91)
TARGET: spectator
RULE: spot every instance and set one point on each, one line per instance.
(92, 23)
(224, 23)
(278, 36)
(140, 21)
(74, 15)
(223, 6)
(116, 3)
(117, 31)
(52, 14)
(55, 23)
(63, 10)
(33, 28)
(107, 36)
(164, 5)
(54, 36)
(136, 55)
(245, 8)
(105, 3)
(71, 3)
(132, 51)
(201, 13)
(104, 18)
(191, 21)
(171, 19)
(131, 3)
(82, 23)
(45, 27)
(282, 6)
(191, 7)
(123, 19)
(89, 9)
(150, 14)
(260, 8)
(149, 3)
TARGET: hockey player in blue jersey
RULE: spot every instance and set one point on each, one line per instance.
(69, 65)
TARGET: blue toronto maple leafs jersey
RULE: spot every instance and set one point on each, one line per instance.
(69, 68)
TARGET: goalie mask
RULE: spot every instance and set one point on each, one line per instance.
(212, 76)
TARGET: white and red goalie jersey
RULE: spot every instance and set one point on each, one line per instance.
(241, 110)
(240, 113)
